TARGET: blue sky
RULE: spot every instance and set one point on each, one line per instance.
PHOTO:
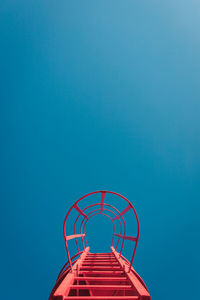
(100, 95)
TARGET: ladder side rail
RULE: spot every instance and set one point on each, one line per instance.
(65, 265)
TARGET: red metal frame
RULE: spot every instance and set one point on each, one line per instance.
(86, 275)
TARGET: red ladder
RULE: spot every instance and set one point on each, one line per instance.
(99, 275)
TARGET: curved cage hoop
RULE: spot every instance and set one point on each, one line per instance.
(117, 216)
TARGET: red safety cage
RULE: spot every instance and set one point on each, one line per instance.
(99, 275)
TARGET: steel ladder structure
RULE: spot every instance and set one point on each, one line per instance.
(101, 276)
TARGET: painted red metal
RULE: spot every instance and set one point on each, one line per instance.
(99, 275)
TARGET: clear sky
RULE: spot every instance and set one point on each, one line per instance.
(99, 95)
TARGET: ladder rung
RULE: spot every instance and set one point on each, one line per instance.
(100, 268)
(102, 297)
(101, 272)
(98, 287)
(90, 253)
(100, 254)
(97, 255)
(100, 261)
(100, 258)
(101, 278)
(99, 264)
